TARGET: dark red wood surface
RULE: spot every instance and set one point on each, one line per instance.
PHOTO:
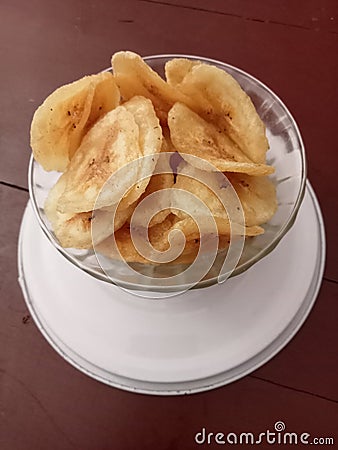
(292, 47)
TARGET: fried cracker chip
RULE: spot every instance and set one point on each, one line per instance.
(177, 68)
(75, 230)
(192, 135)
(135, 77)
(207, 120)
(60, 123)
(221, 203)
(163, 178)
(106, 97)
(149, 131)
(218, 98)
(114, 141)
(191, 230)
(257, 196)
(158, 237)
(157, 183)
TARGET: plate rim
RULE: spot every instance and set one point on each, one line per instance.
(201, 384)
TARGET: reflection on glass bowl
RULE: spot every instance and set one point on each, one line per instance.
(286, 154)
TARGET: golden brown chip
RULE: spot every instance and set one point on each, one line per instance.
(114, 141)
(192, 180)
(192, 135)
(220, 203)
(191, 231)
(163, 178)
(208, 121)
(158, 237)
(71, 230)
(218, 98)
(135, 77)
(157, 183)
(60, 123)
(257, 196)
(75, 230)
(177, 68)
(108, 146)
(149, 132)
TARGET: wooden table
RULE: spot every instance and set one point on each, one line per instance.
(291, 46)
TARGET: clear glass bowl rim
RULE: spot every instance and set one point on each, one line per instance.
(239, 269)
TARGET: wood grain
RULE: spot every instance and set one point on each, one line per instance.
(57, 43)
(291, 46)
(56, 407)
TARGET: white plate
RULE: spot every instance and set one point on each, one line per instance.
(193, 342)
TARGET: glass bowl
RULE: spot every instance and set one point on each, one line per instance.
(286, 154)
